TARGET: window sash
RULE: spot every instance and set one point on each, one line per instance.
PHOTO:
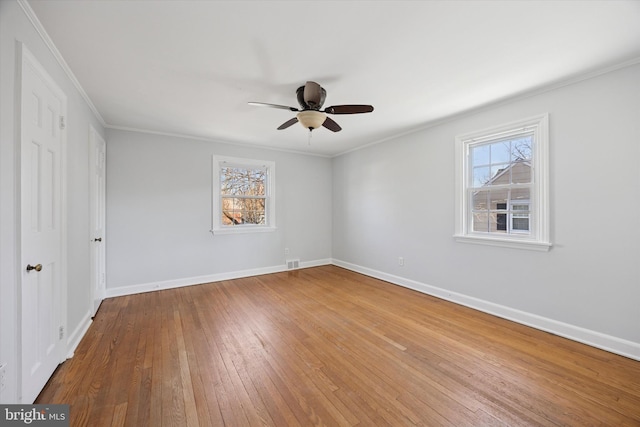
(249, 217)
(250, 211)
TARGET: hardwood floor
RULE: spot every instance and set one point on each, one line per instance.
(325, 346)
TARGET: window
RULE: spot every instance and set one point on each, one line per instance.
(502, 185)
(519, 217)
(243, 195)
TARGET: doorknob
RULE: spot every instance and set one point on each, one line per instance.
(98, 239)
(37, 267)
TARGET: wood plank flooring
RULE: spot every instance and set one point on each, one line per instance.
(327, 347)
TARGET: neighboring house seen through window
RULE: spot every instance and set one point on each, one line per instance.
(243, 195)
(502, 185)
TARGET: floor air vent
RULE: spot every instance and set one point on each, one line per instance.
(293, 264)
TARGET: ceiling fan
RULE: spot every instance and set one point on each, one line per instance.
(311, 97)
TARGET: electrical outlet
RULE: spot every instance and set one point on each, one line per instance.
(400, 261)
(3, 376)
(286, 251)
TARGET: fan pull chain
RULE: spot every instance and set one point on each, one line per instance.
(309, 138)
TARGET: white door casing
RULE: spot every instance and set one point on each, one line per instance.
(42, 227)
(97, 207)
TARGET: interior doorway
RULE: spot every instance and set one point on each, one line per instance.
(42, 227)
(97, 209)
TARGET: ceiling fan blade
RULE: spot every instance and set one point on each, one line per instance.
(330, 124)
(288, 123)
(282, 107)
(348, 109)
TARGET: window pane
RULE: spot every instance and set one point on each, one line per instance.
(521, 172)
(520, 194)
(480, 215)
(499, 197)
(257, 182)
(501, 152)
(232, 180)
(520, 224)
(481, 176)
(479, 200)
(480, 155)
(500, 174)
(495, 225)
(254, 212)
(498, 200)
(480, 221)
(501, 222)
(231, 214)
(521, 148)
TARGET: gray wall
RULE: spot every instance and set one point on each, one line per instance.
(14, 28)
(159, 213)
(397, 199)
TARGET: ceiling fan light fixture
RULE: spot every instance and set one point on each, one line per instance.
(311, 98)
(311, 119)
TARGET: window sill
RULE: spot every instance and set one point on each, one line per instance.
(242, 230)
(514, 243)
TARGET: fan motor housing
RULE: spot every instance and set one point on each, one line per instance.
(310, 105)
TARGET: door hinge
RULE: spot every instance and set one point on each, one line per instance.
(61, 332)
(62, 123)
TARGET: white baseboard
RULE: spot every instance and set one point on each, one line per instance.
(198, 280)
(599, 340)
(76, 336)
(316, 263)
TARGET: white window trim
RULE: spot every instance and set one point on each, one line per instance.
(539, 238)
(216, 197)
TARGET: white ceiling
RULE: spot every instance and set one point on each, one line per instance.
(190, 67)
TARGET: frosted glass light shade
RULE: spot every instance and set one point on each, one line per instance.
(311, 119)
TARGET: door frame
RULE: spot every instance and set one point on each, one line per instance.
(27, 59)
(98, 290)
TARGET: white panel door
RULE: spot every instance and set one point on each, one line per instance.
(97, 179)
(42, 108)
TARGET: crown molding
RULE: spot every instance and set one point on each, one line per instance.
(31, 15)
(528, 93)
(195, 137)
